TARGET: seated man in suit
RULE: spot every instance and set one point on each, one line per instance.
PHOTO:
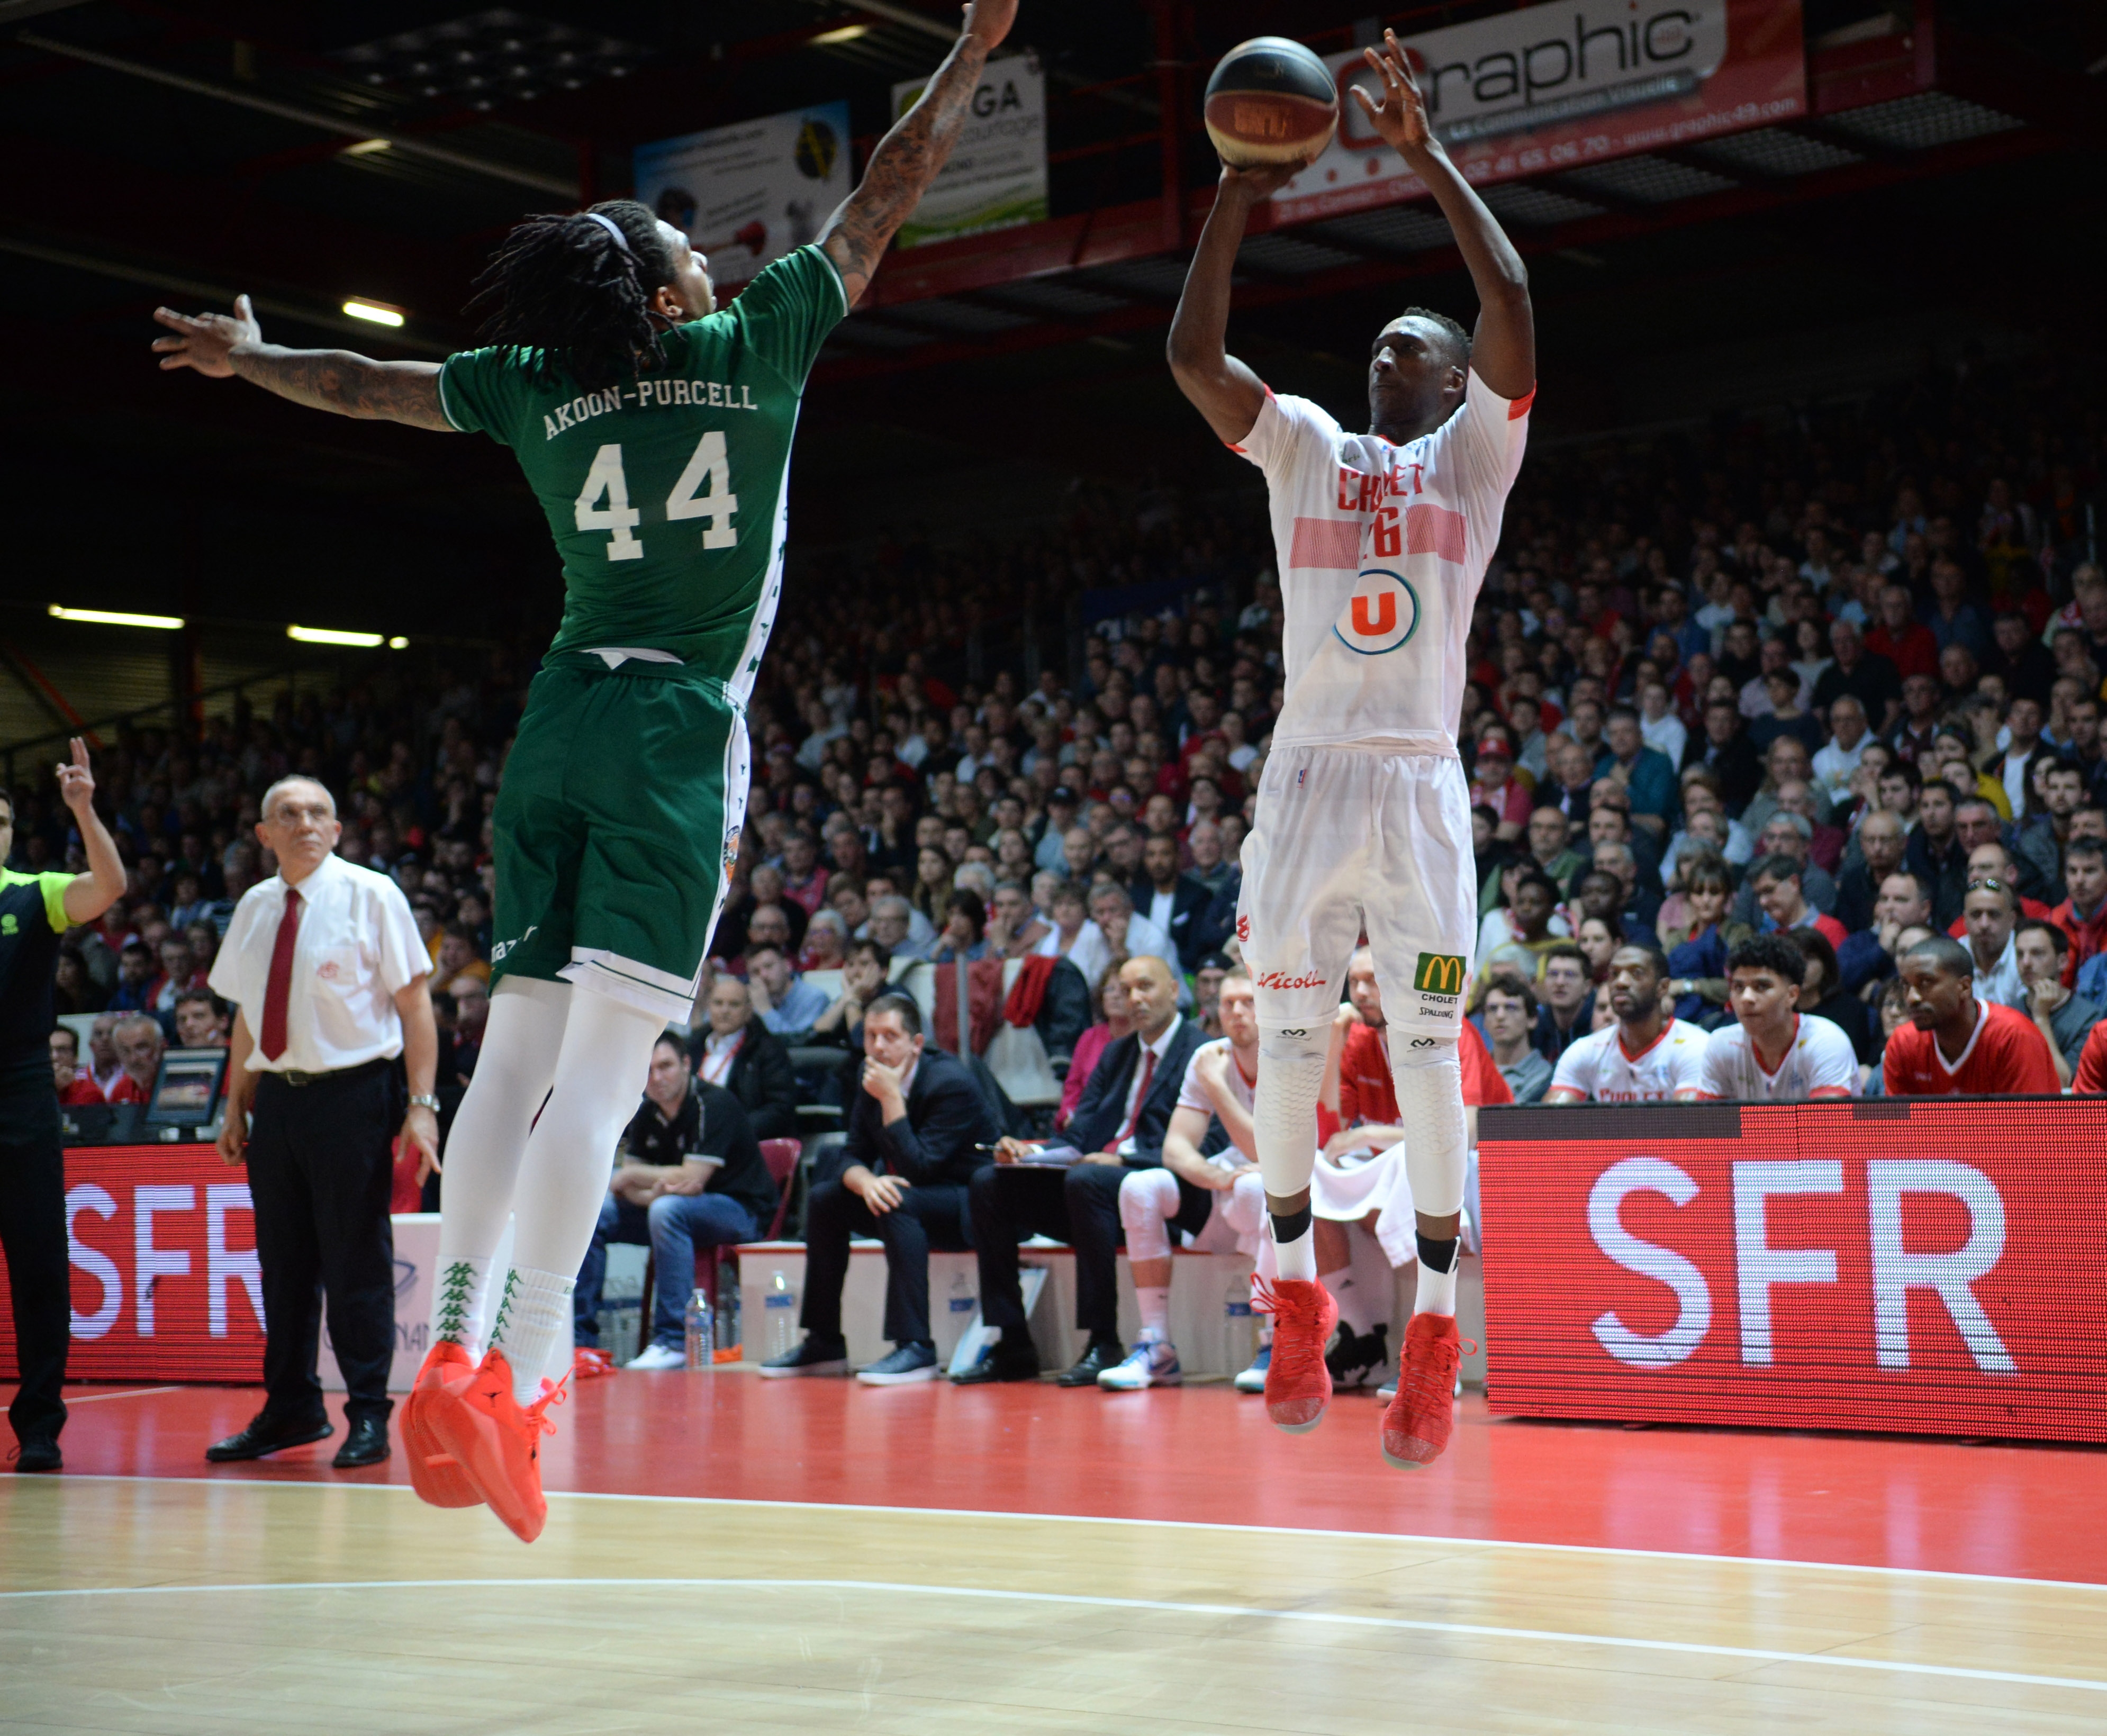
(740, 1053)
(690, 1176)
(1173, 899)
(916, 1133)
(1119, 1125)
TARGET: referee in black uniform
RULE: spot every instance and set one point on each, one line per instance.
(35, 910)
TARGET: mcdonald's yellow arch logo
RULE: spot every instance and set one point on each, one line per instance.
(1438, 973)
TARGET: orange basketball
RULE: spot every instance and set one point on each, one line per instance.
(1271, 101)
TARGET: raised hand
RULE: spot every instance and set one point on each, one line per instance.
(76, 782)
(989, 21)
(1401, 116)
(1261, 181)
(206, 341)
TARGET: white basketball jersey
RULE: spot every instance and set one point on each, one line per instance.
(1598, 1067)
(1192, 1094)
(1819, 1059)
(1382, 550)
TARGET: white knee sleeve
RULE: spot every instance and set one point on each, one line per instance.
(1291, 1079)
(1243, 1207)
(1430, 1103)
(1148, 1201)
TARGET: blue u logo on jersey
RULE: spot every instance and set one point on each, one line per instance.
(1381, 614)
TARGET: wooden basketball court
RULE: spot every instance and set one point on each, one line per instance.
(139, 1594)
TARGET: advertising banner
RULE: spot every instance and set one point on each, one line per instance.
(1924, 1267)
(996, 177)
(1561, 86)
(746, 194)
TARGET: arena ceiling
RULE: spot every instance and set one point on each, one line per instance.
(181, 151)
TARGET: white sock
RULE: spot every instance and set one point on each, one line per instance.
(1357, 1307)
(460, 1298)
(1297, 1260)
(532, 1319)
(1436, 1291)
(1154, 1301)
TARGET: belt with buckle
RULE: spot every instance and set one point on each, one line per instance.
(294, 1076)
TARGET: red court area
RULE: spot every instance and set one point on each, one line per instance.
(1205, 1454)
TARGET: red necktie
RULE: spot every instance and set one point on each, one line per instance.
(279, 983)
(1140, 1097)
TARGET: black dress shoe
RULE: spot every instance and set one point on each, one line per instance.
(1095, 1360)
(996, 1366)
(269, 1434)
(366, 1444)
(39, 1453)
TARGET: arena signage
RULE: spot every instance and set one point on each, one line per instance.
(996, 177)
(1924, 1267)
(1559, 87)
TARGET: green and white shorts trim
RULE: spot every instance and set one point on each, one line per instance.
(616, 827)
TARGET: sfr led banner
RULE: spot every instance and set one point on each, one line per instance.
(1925, 1267)
(1559, 87)
(166, 1285)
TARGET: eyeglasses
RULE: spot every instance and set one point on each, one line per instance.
(1990, 883)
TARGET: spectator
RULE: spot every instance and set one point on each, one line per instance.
(134, 992)
(826, 942)
(1014, 928)
(1172, 901)
(1125, 930)
(1697, 959)
(139, 1047)
(1206, 992)
(1075, 937)
(2063, 1018)
(890, 927)
(688, 1175)
(741, 1054)
(1862, 673)
(1906, 644)
(1598, 938)
(782, 1001)
(965, 921)
(865, 973)
(1507, 1007)
(104, 1066)
(74, 1085)
(1550, 845)
(1822, 994)
(1991, 912)
(1837, 761)
(202, 1021)
(1729, 755)
(1648, 1055)
(1568, 1004)
(1119, 1125)
(2082, 916)
(1776, 882)
(1784, 719)
(1956, 1044)
(1771, 1054)
(1116, 1022)
(1936, 855)
(455, 960)
(1789, 836)
(1882, 843)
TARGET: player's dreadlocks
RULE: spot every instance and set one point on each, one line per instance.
(565, 289)
(1457, 334)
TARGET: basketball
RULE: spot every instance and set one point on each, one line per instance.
(1271, 101)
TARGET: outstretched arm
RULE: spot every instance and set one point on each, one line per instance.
(908, 157)
(1222, 389)
(221, 348)
(1504, 352)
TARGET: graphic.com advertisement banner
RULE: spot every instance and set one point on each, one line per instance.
(166, 1283)
(1559, 87)
(1930, 1268)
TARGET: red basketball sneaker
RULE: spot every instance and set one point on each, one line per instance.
(1298, 1386)
(434, 1473)
(497, 1441)
(1421, 1414)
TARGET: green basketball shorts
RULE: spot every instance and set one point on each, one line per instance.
(615, 826)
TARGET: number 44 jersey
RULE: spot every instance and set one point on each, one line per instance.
(666, 493)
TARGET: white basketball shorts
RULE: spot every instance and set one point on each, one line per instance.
(1347, 839)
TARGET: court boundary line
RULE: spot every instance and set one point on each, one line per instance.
(2097, 1587)
(97, 1398)
(1762, 1656)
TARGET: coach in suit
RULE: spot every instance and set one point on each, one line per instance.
(1175, 902)
(1119, 1125)
(917, 1131)
(332, 983)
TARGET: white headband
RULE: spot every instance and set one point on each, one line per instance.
(612, 228)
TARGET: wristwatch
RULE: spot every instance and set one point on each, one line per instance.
(425, 1100)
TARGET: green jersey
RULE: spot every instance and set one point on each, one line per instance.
(667, 494)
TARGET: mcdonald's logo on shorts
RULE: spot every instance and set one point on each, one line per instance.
(1438, 973)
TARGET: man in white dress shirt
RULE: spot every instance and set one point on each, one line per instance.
(332, 984)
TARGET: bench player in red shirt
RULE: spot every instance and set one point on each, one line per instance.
(1956, 1045)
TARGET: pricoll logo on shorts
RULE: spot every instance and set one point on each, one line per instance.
(1438, 973)
(1381, 614)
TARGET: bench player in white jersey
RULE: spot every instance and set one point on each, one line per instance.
(1364, 816)
(1774, 1053)
(1649, 1055)
(1218, 1201)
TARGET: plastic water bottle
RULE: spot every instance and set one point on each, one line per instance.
(781, 1303)
(964, 1301)
(728, 1322)
(702, 1337)
(1239, 1327)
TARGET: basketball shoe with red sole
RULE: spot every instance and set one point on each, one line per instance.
(496, 1440)
(1298, 1386)
(434, 1474)
(1422, 1414)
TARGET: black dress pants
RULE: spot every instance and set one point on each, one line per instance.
(1078, 1206)
(930, 1216)
(319, 1172)
(33, 1238)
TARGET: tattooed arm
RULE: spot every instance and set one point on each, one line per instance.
(219, 348)
(908, 157)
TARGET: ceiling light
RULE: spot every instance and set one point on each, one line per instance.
(398, 643)
(331, 635)
(848, 33)
(113, 618)
(365, 147)
(378, 312)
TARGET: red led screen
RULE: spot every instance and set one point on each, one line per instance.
(1932, 1267)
